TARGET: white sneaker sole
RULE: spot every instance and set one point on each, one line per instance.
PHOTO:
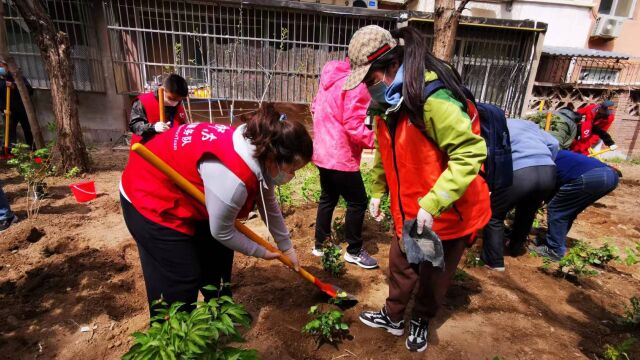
(350, 259)
(418, 350)
(396, 332)
(316, 252)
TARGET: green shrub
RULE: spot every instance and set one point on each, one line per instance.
(332, 262)
(204, 333)
(620, 351)
(327, 325)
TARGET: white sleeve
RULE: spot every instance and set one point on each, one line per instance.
(277, 226)
(225, 194)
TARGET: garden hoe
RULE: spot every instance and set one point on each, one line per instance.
(7, 118)
(329, 289)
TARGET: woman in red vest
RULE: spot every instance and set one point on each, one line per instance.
(184, 245)
(144, 121)
(428, 156)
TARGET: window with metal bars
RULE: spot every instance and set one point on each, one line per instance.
(69, 16)
(227, 50)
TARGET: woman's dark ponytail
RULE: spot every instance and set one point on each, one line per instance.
(416, 58)
(275, 138)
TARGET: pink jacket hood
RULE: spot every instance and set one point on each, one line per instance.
(338, 120)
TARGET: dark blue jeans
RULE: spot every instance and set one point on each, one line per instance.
(5, 209)
(571, 199)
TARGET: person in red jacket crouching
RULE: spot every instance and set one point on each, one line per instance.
(594, 126)
(184, 245)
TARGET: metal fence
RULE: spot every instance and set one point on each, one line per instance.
(227, 50)
(494, 62)
(256, 50)
(72, 17)
(588, 72)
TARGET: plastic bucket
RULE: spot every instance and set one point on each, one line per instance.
(84, 191)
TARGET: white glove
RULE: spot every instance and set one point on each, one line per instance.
(160, 127)
(613, 147)
(268, 255)
(291, 254)
(374, 209)
(424, 219)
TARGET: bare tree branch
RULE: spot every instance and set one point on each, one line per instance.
(462, 6)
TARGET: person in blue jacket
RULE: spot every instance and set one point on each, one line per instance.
(582, 180)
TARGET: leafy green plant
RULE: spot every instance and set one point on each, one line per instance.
(311, 185)
(332, 262)
(284, 195)
(73, 172)
(204, 333)
(576, 261)
(473, 258)
(461, 275)
(633, 255)
(632, 313)
(620, 351)
(327, 325)
(34, 167)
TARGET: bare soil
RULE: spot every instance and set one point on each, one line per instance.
(76, 265)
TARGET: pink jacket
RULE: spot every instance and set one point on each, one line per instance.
(339, 133)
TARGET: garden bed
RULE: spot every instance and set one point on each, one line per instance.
(76, 266)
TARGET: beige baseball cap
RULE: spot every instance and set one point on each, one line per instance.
(366, 46)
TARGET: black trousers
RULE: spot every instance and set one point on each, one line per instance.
(23, 120)
(175, 265)
(531, 186)
(349, 185)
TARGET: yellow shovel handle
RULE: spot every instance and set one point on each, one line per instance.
(161, 102)
(599, 152)
(7, 117)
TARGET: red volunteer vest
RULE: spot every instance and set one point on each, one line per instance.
(587, 138)
(417, 166)
(158, 199)
(152, 110)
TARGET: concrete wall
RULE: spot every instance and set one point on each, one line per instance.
(102, 115)
(569, 21)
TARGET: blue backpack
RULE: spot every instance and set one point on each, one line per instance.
(498, 166)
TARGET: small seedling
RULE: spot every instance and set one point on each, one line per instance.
(311, 189)
(461, 275)
(331, 260)
(633, 255)
(473, 258)
(546, 263)
(284, 195)
(73, 172)
(620, 351)
(204, 333)
(327, 326)
(632, 313)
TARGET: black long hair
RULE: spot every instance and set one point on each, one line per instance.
(416, 58)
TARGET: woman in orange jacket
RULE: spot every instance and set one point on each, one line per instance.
(428, 158)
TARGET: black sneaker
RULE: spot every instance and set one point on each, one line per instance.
(417, 339)
(380, 319)
(544, 251)
(362, 259)
(4, 224)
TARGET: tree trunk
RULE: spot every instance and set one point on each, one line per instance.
(22, 88)
(445, 28)
(55, 50)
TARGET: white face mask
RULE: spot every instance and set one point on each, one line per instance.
(168, 102)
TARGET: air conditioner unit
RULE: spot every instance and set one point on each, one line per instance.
(607, 27)
(371, 4)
